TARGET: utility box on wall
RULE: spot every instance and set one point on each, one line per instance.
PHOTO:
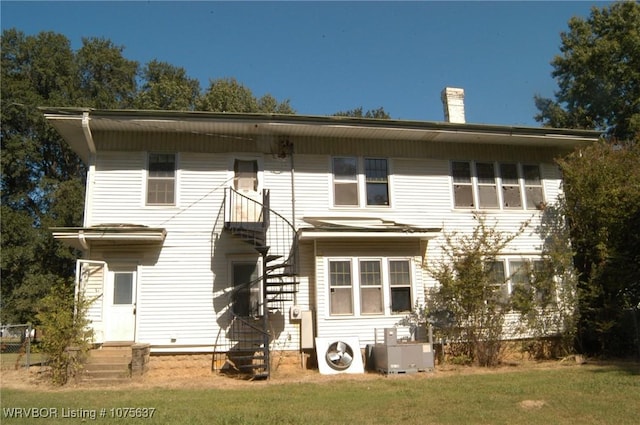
(390, 356)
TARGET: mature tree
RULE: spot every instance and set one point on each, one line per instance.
(378, 113)
(42, 179)
(602, 190)
(167, 87)
(228, 95)
(107, 79)
(598, 73)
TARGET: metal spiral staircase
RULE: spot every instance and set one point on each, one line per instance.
(246, 344)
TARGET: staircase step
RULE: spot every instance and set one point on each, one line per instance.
(260, 376)
(291, 274)
(272, 257)
(252, 366)
(278, 292)
(247, 357)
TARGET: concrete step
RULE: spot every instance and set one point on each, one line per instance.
(106, 366)
(109, 364)
(108, 357)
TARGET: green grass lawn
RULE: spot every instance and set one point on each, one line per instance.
(573, 395)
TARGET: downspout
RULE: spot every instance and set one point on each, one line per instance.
(91, 168)
(293, 187)
(293, 212)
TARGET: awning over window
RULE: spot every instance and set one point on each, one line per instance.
(354, 227)
(109, 234)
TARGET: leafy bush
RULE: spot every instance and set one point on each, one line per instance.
(63, 324)
(470, 294)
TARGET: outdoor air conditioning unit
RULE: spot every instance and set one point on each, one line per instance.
(392, 356)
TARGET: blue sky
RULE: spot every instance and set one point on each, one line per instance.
(331, 56)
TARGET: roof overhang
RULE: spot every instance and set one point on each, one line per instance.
(363, 228)
(84, 238)
(77, 124)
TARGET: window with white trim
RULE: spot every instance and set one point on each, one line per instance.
(353, 176)
(511, 275)
(498, 279)
(475, 185)
(533, 189)
(340, 287)
(345, 181)
(369, 286)
(376, 181)
(161, 179)
(400, 286)
(486, 185)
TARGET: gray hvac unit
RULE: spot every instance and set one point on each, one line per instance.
(391, 355)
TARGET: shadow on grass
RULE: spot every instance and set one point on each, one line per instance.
(629, 367)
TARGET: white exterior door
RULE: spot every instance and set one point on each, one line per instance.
(120, 305)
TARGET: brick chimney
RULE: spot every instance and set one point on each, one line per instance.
(453, 102)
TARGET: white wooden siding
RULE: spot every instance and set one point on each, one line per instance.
(181, 292)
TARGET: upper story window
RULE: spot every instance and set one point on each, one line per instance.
(345, 181)
(488, 185)
(161, 179)
(376, 181)
(353, 176)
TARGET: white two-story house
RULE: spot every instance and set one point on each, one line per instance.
(244, 233)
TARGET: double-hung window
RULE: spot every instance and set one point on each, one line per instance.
(462, 184)
(370, 287)
(497, 279)
(353, 176)
(511, 196)
(340, 287)
(161, 179)
(345, 181)
(400, 285)
(376, 178)
(367, 286)
(532, 186)
(487, 193)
